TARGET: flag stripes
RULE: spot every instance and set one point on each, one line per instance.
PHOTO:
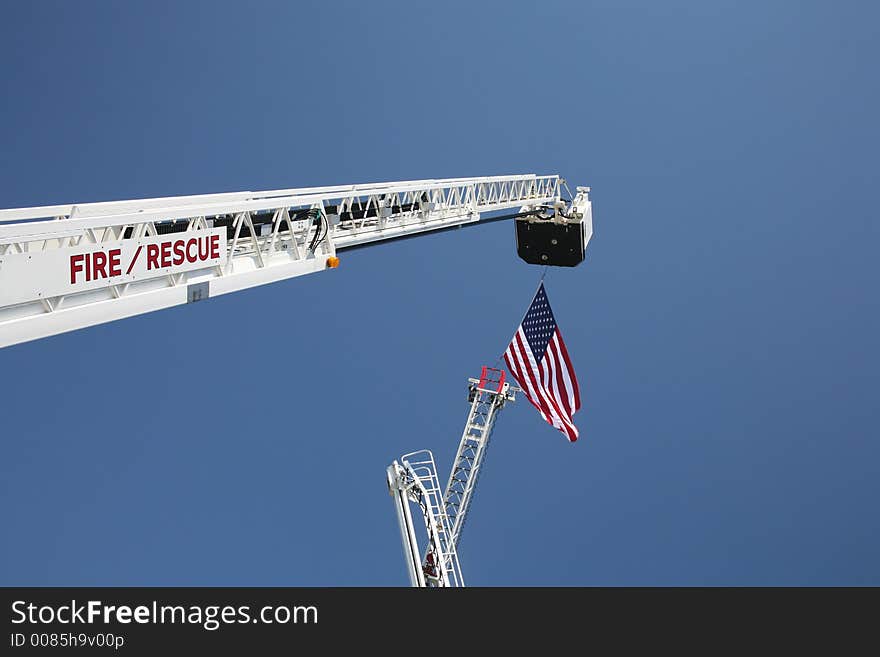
(538, 359)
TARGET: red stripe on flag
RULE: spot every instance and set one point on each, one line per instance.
(570, 368)
(564, 392)
(545, 370)
(522, 377)
(562, 418)
(550, 385)
(514, 360)
(547, 403)
(556, 381)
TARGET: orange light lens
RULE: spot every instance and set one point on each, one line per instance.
(332, 262)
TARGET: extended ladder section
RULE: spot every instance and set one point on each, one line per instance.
(487, 395)
(413, 480)
(66, 267)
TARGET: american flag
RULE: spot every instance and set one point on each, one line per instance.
(538, 360)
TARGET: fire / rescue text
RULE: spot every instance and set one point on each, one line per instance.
(159, 255)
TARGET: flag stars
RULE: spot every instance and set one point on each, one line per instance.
(547, 380)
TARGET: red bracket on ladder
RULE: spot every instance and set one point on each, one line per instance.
(486, 378)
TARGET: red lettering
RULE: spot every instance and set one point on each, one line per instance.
(114, 256)
(178, 252)
(88, 266)
(166, 254)
(172, 253)
(191, 256)
(99, 265)
(152, 256)
(75, 267)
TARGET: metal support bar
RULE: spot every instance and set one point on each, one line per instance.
(263, 237)
(413, 480)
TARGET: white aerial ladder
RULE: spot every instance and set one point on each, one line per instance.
(66, 267)
(413, 480)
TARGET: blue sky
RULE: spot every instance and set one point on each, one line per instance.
(724, 326)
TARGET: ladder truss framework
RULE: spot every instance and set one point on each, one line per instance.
(71, 266)
(413, 481)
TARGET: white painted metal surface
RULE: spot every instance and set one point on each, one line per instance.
(400, 482)
(49, 273)
(413, 479)
(488, 395)
(270, 236)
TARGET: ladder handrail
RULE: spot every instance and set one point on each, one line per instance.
(413, 479)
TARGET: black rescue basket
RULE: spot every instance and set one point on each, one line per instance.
(554, 242)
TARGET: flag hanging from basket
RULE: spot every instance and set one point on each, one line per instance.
(538, 360)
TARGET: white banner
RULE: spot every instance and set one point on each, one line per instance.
(54, 272)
